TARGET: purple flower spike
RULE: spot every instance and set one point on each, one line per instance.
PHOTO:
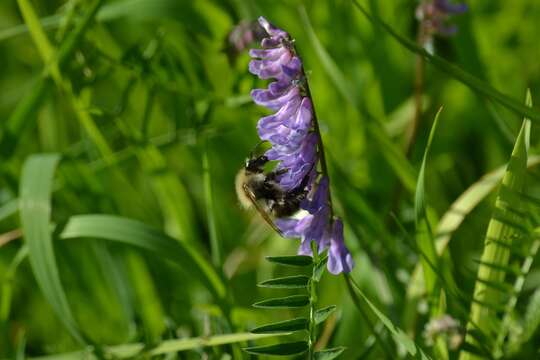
(295, 145)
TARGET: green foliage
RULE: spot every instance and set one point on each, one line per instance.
(35, 211)
(293, 301)
(308, 324)
(282, 326)
(397, 334)
(288, 282)
(322, 314)
(135, 233)
(328, 354)
(282, 349)
(506, 228)
(294, 260)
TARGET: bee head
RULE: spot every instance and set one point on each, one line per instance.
(256, 165)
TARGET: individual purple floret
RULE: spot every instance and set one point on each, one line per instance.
(241, 37)
(295, 145)
(434, 15)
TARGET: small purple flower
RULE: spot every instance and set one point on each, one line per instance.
(434, 15)
(241, 37)
(290, 131)
(339, 259)
(449, 8)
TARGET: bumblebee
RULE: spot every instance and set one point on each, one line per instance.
(261, 190)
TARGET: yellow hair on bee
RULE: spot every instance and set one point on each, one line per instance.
(239, 183)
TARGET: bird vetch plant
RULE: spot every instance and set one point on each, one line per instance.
(299, 182)
(296, 142)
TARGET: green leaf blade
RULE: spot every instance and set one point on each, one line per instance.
(35, 212)
(295, 260)
(288, 282)
(282, 326)
(328, 354)
(322, 314)
(136, 233)
(504, 226)
(293, 348)
(288, 302)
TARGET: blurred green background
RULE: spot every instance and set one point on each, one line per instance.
(153, 120)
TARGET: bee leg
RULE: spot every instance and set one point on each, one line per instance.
(300, 190)
(274, 174)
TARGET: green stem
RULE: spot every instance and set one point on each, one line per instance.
(313, 301)
(324, 167)
(215, 245)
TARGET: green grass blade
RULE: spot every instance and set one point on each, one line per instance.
(210, 208)
(116, 279)
(516, 290)
(171, 193)
(11, 130)
(48, 53)
(130, 351)
(531, 321)
(340, 81)
(455, 71)
(393, 155)
(9, 208)
(400, 337)
(424, 235)
(147, 299)
(468, 200)
(395, 158)
(35, 212)
(7, 283)
(45, 48)
(132, 232)
(110, 11)
(458, 211)
(482, 316)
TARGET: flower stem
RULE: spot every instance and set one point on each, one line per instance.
(324, 168)
(312, 301)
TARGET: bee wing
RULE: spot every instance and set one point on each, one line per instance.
(261, 211)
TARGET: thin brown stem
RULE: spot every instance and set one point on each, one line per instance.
(9, 236)
(412, 130)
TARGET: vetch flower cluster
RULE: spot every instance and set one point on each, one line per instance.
(296, 145)
(434, 14)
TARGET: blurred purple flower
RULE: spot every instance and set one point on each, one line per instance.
(434, 15)
(294, 142)
(240, 37)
